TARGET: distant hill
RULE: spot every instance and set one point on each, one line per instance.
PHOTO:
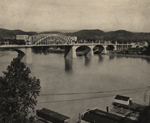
(50, 32)
(88, 34)
(123, 35)
(11, 34)
(119, 35)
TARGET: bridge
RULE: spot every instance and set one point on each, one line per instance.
(69, 42)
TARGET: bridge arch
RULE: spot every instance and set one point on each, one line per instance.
(52, 39)
(98, 49)
(110, 47)
(83, 50)
(73, 51)
(104, 48)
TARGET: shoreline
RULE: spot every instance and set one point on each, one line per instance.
(128, 55)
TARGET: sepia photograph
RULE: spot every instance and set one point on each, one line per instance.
(74, 61)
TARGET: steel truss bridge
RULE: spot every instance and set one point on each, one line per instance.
(51, 39)
(69, 42)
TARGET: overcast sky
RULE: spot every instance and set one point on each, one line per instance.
(46, 15)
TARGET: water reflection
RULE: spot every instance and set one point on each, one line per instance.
(100, 58)
(38, 51)
(46, 51)
(147, 59)
(87, 60)
(111, 57)
(68, 64)
(119, 56)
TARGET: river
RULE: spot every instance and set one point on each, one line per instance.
(71, 86)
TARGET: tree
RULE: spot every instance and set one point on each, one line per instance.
(18, 93)
(147, 52)
(145, 115)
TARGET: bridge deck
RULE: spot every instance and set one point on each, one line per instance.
(45, 45)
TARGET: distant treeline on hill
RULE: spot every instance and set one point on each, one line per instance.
(119, 35)
(6, 34)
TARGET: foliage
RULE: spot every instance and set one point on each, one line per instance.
(18, 93)
(119, 35)
(144, 115)
(147, 52)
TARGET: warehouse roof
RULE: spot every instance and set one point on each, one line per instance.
(119, 97)
(51, 115)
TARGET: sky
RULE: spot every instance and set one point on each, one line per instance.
(52, 15)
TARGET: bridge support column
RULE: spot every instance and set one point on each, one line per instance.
(74, 54)
(90, 53)
(70, 52)
(115, 47)
(119, 47)
(28, 56)
(105, 50)
(25, 54)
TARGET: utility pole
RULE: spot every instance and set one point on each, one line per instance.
(149, 100)
(79, 118)
(147, 96)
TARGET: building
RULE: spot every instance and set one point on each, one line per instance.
(139, 44)
(123, 100)
(24, 38)
(99, 116)
(123, 106)
(122, 110)
(51, 116)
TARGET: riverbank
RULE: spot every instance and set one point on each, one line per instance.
(129, 55)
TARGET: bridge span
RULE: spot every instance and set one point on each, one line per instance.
(58, 40)
(70, 49)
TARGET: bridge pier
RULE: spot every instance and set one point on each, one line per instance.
(74, 54)
(105, 50)
(70, 52)
(29, 55)
(25, 55)
(90, 53)
(115, 47)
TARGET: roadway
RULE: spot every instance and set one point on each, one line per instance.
(53, 45)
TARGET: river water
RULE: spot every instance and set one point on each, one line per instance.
(71, 86)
